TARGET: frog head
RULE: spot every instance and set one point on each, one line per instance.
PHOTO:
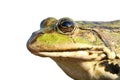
(66, 38)
(81, 49)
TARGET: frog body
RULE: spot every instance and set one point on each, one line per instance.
(85, 50)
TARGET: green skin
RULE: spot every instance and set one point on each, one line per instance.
(88, 38)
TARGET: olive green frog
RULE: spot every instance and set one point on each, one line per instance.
(84, 50)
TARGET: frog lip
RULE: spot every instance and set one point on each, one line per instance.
(82, 54)
(89, 53)
(88, 49)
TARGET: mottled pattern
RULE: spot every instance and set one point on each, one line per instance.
(111, 67)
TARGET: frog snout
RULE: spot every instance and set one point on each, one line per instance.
(32, 39)
(34, 36)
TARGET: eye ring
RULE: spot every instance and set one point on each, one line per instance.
(66, 26)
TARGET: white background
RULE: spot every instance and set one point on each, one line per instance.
(19, 18)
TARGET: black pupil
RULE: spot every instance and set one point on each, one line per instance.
(66, 24)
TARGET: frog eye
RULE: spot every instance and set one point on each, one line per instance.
(66, 26)
(47, 23)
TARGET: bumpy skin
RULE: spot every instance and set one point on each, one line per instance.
(85, 50)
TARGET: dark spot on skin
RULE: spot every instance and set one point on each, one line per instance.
(90, 53)
(110, 67)
(116, 57)
(105, 58)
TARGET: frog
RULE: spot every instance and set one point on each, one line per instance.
(84, 50)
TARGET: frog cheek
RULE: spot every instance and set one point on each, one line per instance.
(66, 26)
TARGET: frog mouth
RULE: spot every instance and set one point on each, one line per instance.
(86, 52)
(82, 54)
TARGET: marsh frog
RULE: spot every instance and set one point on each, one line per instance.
(84, 50)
